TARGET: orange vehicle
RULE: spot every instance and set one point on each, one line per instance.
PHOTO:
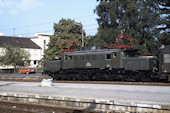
(26, 70)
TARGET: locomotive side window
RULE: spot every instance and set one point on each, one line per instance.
(108, 56)
(166, 58)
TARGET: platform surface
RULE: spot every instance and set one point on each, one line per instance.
(156, 94)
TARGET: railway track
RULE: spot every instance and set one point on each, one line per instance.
(27, 79)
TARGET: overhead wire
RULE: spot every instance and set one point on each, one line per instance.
(41, 24)
(45, 31)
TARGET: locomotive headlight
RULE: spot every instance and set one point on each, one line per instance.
(165, 71)
(155, 69)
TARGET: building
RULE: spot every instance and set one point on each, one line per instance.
(34, 46)
(41, 40)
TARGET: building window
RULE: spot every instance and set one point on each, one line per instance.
(35, 62)
(35, 52)
(44, 44)
(22, 52)
(29, 51)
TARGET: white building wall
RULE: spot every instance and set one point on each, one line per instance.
(34, 57)
(42, 40)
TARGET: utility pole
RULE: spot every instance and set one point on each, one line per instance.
(82, 37)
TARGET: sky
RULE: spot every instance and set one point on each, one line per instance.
(27, 17)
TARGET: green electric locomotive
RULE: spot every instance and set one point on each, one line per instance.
(93, 63)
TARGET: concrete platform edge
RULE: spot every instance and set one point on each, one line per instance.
(85, 103)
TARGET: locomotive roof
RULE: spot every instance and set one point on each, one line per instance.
(101, 51)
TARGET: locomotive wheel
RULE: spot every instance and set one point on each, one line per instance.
(145, 77)
(102, 75)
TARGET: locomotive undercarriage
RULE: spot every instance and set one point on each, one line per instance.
(103, 75)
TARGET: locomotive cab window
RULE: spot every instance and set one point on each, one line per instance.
(65, 57)
(68, 58)
(114, 56)
(166, 58)
(108, 56)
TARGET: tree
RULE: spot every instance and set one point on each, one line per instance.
(13, 56)
(165, 22)
(66, 32)
(136, 18)
(94, 41)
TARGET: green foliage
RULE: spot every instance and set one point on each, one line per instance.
(164, 37)
(136, 18)
(93, 41)
(13, 56)
(66, 32)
